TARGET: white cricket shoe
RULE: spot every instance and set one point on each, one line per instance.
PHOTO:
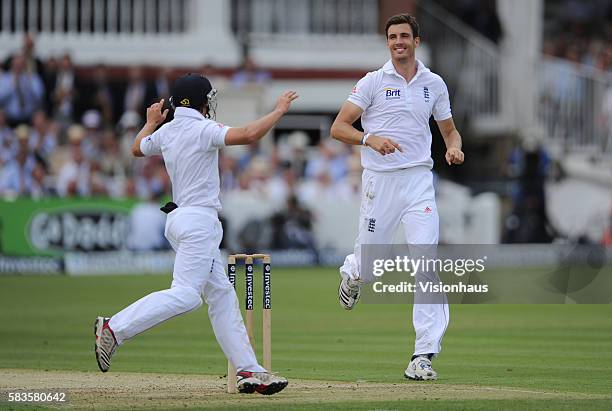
(106, 344)
(420, 369)
(263, 382)
(348, 293)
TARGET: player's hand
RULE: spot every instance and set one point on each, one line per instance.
(284, 101)
(383, 145)
(154, 113)
(454, 156)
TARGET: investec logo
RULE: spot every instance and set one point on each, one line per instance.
(249, 287)
(267, 289)
(392, 93)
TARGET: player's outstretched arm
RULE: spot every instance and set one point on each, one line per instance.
(452, 139)
(259, 128)
(343, 130)
(155, 117)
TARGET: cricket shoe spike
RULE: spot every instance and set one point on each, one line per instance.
(420, 369)
(264, 383)
(348, 293)
(106, 344)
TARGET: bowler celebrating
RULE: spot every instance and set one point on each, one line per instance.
(395, 104)
(189, 145)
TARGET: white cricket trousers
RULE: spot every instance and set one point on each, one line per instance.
(404, 196)
(195, 234)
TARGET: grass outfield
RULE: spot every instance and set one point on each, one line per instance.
(494, 356)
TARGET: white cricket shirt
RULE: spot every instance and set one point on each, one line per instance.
(190, 145)
(400, 110)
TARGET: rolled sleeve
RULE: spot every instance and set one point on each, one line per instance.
(362, 92)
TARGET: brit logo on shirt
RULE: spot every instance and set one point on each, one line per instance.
(392, 93)
(426, 94)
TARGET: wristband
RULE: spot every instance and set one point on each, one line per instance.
(364, 139)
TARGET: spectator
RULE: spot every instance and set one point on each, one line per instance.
(17, 173)
(292, 228)
(111, 164)
(51, 67)
(90, 144)
(32, 64)
(97, 180)
(137, 92)
(228, 172)
(349, 187)
(64, 91)
(21, 92)
(298, 146)
(150, 181)
(8, 146)
(249, 74)
(128, 125)
(283, 184)
(317, 188)
(529, 222)
(99, 95)
(253, 151)
(43, 138)
(330, 159)
(162, 84)
(74, 176)
(39, 187)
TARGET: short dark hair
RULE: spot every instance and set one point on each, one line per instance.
(403, 19)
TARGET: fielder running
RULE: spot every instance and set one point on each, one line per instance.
(395, 104)
(189, 145)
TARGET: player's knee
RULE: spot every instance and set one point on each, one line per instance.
(190, 298)
(216, 293)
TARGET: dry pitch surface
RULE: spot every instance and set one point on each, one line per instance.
(89, 390)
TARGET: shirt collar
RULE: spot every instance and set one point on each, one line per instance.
(188, 112)
(389, 68)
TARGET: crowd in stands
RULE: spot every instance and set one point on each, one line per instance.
(576, 30)
(66, 132)
(580, 31)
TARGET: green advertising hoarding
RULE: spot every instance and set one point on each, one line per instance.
(54, 226)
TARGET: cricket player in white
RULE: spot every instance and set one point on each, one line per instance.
(189, 145)
(395, 104)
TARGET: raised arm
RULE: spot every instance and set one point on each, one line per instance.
(154, 118)
(257, 129)
(343, 130)
(452, 139)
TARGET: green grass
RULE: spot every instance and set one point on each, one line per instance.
(46, 323)
(482, 405)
